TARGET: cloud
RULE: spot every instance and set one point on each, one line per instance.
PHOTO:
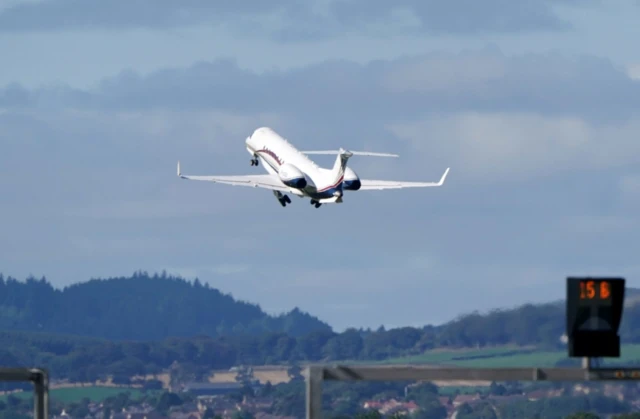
(49, 15)
(542, 149)
(603, 224)
(217, 270)
(633, 71)
(461, 16)
(114, 165)
(478, 81)
(289, 20)
(487, 114)
(510, 146)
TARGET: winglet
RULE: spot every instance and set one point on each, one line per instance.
(179, 168)
(444, 176)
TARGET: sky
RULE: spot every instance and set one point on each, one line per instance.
(535, 106)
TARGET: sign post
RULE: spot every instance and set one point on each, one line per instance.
(594, 312)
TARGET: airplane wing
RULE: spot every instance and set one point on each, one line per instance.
(355, 153)
(266, 181)
(367, 184)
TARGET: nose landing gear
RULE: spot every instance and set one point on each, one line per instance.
(254, 161)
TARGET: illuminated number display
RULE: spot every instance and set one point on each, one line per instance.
(595, 290)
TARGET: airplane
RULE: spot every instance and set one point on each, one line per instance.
(291, 171)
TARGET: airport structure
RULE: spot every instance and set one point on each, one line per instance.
(594, 311)
(40, 379)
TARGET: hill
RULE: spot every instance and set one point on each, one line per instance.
(141, 325)
(140, 307)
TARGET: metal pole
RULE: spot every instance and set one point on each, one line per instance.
(314, 392)
(40, 395)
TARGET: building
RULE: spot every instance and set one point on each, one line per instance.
(212, 389)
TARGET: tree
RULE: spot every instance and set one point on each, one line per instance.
(167, 400)
(370, 414)
(242, 414)
(294, 372)
(497, 389)
(583, 415)
(430, 412)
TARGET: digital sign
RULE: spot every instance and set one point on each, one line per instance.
(594, 312)
(595, 291)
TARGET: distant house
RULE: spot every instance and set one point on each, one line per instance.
(537, 395)
(390, 407)
(465, 398)
(507, 399)
(212, 389)
(150, 415)
(262, 415)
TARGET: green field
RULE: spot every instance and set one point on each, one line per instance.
(75, 394)
(486, 357)
(502, 357)
(452, 390)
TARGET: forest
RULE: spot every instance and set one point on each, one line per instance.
(161, 305)
(143, 323)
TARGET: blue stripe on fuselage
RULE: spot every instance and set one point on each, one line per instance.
(309, 190)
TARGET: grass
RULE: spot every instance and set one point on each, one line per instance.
(455, 357)
(76, 394)
(450, 390)
(485, 357)
(502, 357)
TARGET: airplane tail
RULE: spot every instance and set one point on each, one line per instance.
(337, 173)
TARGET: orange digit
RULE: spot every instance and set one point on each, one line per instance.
(582, 295)
(591, 290)
(605, 291)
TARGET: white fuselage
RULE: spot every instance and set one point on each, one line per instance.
(290, 170)
(297, 170)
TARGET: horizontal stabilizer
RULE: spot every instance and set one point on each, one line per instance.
(367, 184)
(355, 153)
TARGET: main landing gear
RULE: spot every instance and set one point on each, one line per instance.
(316, 203)
(254, 161)
(283, 199)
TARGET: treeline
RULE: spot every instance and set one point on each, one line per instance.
(563, 406)
(142, 324)
(83, 359)
(549, 408)
(140, 307)
(541, 325)
(88, 359)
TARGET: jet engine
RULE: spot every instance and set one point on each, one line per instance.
(292, 176)
(351, 180)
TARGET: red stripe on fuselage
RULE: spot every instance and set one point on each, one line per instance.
(280, 162)
(335, 185)
(272, 154)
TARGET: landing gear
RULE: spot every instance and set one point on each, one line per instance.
(316, 203)
(283, 199)
(254, 161)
